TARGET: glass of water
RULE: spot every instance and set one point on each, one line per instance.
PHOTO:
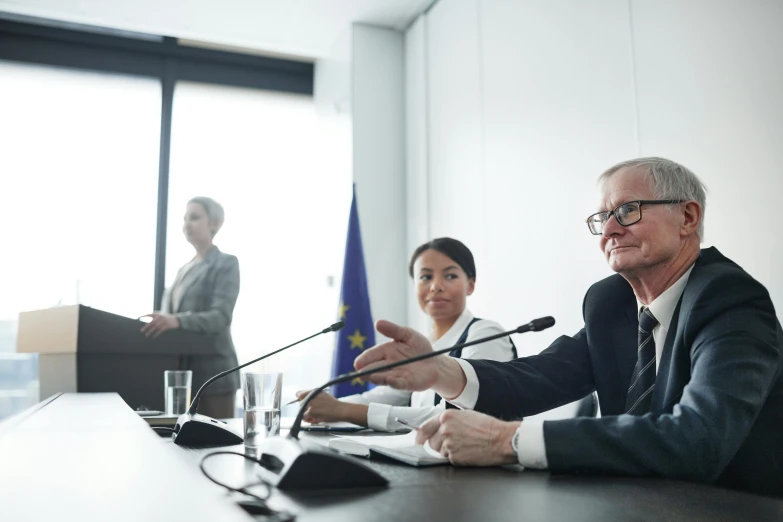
(177, 386)
(261, 393)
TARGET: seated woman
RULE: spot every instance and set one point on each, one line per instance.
(444, 275)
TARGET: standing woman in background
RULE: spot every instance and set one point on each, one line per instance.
(444, 275)
(202, 300)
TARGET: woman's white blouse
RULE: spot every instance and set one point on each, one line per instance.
(385, 403)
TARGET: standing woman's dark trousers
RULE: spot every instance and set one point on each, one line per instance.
(218, 406)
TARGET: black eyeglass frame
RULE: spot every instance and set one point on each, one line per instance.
(640, 202)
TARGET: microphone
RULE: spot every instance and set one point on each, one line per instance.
(195, 430)
(289, 463)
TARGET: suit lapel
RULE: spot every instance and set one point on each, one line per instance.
(661, 392)
(191, 279)
(625, 341)
(196, 274)
(674, 371)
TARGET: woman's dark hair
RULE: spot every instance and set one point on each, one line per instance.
(451, 248)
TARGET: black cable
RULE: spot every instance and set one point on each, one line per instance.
(242, 489)
(162, 428)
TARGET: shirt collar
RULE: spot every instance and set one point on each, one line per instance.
(664, 305)
(451, 337)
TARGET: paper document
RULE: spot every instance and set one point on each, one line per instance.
(287, 422)
(397, 447)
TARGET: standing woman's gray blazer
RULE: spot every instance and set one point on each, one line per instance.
(207, 307)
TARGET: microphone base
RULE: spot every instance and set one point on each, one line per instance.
(293, 464)
(200, 431)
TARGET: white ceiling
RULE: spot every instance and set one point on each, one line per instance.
(304, 28)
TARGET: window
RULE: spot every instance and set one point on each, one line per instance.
(80, 163)
(284, 179)
(79, 174)
(78, 171)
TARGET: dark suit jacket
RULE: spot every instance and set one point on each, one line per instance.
(207, 307)
(717, 407)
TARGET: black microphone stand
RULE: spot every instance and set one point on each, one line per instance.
(195, 430)
(290, 463)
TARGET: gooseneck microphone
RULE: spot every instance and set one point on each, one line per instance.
(289, 463)
(194, 404)
(193, 429)
(534, 326)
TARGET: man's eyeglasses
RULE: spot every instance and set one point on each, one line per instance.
(626, 214)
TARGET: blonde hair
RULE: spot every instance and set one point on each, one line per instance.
(213, 209)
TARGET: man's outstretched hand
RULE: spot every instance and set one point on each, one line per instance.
(442, 373)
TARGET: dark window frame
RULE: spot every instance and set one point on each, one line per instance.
(157, 57)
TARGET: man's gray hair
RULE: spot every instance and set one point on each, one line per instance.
(669, 180)
(213, 209)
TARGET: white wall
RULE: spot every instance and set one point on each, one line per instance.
(362, 81)
(417, 160)
(529, 100)
(710, 84)
(457, 196)
(332, 78)
(553, 118)
(378, 110)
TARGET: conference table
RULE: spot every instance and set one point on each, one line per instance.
(90, 457)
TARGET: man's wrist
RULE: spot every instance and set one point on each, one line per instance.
(451, 379)
(503, 443)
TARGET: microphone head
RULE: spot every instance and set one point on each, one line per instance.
(341, 324)
(536, 325)
(542, 323)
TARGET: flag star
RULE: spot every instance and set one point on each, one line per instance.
(357, 340)
(343, 309)
(357, 382)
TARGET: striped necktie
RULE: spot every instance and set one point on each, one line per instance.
(643, 377)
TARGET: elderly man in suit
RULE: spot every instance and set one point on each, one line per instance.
(682, 346)
(202, 300)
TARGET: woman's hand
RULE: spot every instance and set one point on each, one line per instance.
(159, 324)
(325, 408)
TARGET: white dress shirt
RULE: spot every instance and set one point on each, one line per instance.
(531, 446)
(385, 403)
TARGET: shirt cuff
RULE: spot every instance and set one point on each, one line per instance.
(531, 450)
(378, 415)
(356, 398)
(469, 396)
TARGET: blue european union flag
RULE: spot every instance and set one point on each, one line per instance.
(359, 331)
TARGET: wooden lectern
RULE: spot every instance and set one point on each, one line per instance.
(82, 349)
